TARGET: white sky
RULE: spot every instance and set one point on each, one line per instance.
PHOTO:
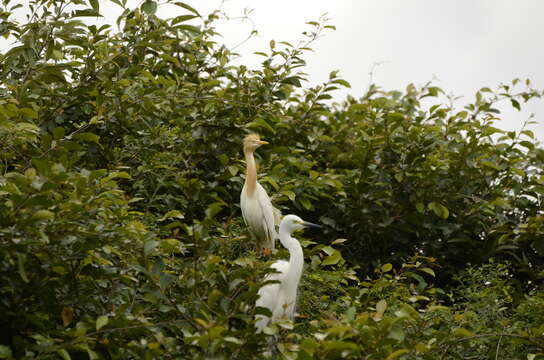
(464, 44)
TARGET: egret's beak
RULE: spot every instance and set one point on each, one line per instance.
(309, 224)
(262, 142)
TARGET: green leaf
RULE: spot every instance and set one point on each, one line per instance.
(332, 259)
(341, 82)
(340, 345)
(333, 74)
(171, 245)
(58, 132)
(87, 12)
(515, 104)
(387, 267)
(81, 329)
(271, 181)
(407, 311)
(43, 215)
(529, 145)
(428, 271)
(396, 354)
(324, 97)
(150, 246)
(305, 203)
(233, 169)
(381, 306)
(439, 209)
(21, 259)
(491, 165)
(261, 123)
(87, 136)
(329, 250)
(95, 4)
(191, 28)
(182, 18)
(149, 7)
(291, 195)
(490, 130)
(292, 80)
(213, 209)
(5, 352)
(63, 354)
(432, 91)
(224, 159)
(233, 340)
(172, 214)
(396, 334)
(29, 112)
(101, 322)
(529, 133)
(187, 7)
(119, 175)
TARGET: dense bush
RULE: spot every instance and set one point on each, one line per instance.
(120, 173)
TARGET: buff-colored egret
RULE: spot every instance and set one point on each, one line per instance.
(257, 210)
(280, 296)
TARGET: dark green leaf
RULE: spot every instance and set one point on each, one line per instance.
(187, 7)
(149, 7)
(21, 260)
(95, 5)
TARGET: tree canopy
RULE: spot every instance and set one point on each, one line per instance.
(120, 173)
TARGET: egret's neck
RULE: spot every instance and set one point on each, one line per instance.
(251, 172)
(296, 258)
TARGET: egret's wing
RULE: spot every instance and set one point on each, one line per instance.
(269, 294)
(268, 215)
(243, 202)
(281, 268)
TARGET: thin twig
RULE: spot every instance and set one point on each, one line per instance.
(468, 338)
(371, 74)
(497, 351)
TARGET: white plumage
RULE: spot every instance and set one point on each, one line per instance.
(281, 297)
(275, 298)
(257, 210)
(258, 214)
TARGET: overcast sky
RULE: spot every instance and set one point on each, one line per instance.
(463, 44)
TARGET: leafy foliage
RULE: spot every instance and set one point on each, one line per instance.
(120, 174)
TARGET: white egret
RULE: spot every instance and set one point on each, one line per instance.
(257, 210)
(280, 297)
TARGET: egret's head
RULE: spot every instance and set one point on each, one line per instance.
(252, 142)
(292, 223)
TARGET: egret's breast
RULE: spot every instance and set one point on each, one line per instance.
(252, 212)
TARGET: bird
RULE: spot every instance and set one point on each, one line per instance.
(257, 210)
(281, 295)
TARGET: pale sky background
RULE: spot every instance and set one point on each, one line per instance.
(463, 44)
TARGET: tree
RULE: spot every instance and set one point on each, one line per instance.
(120, 231)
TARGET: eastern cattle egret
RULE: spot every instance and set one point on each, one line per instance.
(257, 210)
(280, 297)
